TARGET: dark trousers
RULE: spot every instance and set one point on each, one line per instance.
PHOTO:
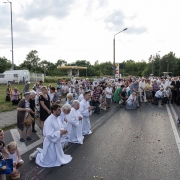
(153, 94)
(174, 96)
(97, 109)
(155, 100)
(15, 102)
(33, 125)
(165, 100)
(178, 97)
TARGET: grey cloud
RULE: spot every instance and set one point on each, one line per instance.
(116, 22)
(42, 8)
(136, 30)
(25, 39)
(103, 3)
(90, 3)
(19, 24)
(5, 16)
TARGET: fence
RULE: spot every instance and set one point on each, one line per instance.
(36, 77)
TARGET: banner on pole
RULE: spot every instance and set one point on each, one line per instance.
(117, 70)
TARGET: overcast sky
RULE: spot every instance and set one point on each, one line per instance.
(84, 29)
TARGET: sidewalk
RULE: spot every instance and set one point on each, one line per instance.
(9, 118)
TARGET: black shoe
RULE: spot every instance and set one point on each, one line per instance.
(34, 131)
(29, 139)
(22, 140)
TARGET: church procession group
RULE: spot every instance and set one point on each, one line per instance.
(70, 122)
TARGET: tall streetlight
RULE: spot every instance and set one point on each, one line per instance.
(114, 51)
(152, 60)
(11, 34)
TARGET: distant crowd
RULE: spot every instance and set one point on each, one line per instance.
(70, 122)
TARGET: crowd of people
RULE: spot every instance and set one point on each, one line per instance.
(70, 122)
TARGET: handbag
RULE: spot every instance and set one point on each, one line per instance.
(6, 166)
(28, 121)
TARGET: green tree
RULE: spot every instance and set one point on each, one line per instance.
(5, 64)
(32, 61)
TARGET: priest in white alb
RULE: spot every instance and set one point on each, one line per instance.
(66, 108)
(52, 153)
(75, 124)
(86, 111)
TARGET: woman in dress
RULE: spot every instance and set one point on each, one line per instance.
(117, 96)
(155, 88)
(23, 110)
(8, 92)
(148, 91)
(45, 104)
(132, 101)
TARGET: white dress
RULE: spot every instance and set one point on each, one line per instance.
(52, 153)
(14, 157)
(75, 127)
(85, 113)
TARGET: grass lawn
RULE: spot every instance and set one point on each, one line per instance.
(7, 106)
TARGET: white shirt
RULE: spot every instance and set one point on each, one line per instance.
(81, 97)
(108, 92)
(142, 85)
(51, 95)
(159, 94)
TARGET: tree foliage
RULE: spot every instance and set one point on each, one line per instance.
(4, 64)
(156, 65)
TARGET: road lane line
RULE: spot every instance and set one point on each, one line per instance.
(22, 146)
(173, 128)
(174, 112)
(16, 137)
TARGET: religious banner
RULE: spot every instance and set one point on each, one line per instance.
(117, 70)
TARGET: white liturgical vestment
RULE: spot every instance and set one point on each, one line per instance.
(75, 127)
(85, 113)
(64, 137)
(52, 153)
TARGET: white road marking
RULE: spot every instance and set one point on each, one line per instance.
(22, 146)
(176, 135)
(174, 112)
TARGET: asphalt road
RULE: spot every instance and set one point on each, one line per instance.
(125, 144)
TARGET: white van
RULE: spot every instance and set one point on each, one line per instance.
(9, 78)
(22, 75)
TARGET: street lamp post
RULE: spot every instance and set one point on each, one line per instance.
(114, 52)
(12, 51)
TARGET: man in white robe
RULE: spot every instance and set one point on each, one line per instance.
(66, 108)
(75, 124)
(86, 111)
(52, 153)
(81, 97)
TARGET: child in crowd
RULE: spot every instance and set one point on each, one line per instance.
(3, 150)
(57, 95)
(13, 153)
